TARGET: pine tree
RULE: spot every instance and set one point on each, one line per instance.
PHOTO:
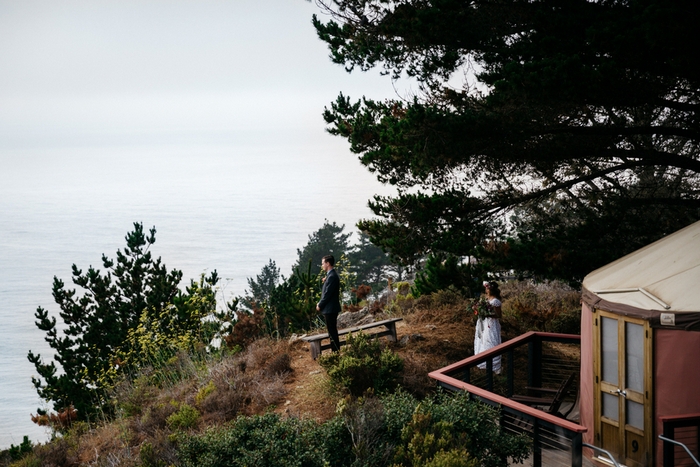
(369, 263)
(330, 239)
(585, 109)
(96, 321)
(260, 288)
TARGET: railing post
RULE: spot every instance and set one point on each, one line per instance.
(511, 374)
(489, 374)
(536, 444)
(577, 450)
(534, 362)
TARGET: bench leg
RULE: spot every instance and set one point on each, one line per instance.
(315, 349)
(392, 328)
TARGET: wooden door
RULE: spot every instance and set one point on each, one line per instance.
(623, 402)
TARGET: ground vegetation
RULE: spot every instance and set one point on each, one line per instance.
(271, 404)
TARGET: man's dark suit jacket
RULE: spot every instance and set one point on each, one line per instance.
(330, 294)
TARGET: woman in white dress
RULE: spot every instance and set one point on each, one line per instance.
(488, 330)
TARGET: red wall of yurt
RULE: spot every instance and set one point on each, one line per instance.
(676, 377)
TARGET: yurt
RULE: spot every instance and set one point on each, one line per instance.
(640, 350)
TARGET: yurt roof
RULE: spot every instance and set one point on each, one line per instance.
(663, 276)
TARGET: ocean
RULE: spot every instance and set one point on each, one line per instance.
(224, 205)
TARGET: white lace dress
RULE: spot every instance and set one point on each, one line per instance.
(488, 334)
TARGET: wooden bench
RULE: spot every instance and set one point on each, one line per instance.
(317, 347)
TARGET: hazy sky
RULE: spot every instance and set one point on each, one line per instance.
(76, 71)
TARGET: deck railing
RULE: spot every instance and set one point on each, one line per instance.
(685, 431)
(532, 359)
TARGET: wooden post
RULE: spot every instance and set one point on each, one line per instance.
(489, 374)
(577, 450)
(510, 374)
(536, 444)
(534, 362)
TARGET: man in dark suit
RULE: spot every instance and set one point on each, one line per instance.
(329, 306)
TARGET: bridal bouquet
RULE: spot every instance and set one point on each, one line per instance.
(481, 308)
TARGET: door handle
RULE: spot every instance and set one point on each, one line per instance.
(622, 393)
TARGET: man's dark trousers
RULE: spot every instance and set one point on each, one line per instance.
(332, 326)
(330, 306)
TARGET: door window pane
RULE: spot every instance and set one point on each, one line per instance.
(609, 350)
(634, 356)
(611, 409)
(635, 414)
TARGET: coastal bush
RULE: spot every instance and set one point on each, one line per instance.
(445, 429)
(149, 457)
(550, 306)
(334, 441)
(24, 448)
(484, 438)
(424, 442)
(185, 417)
(363, 365)
(414, 431)
(258, 441)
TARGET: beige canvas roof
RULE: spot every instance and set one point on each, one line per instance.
(664, 275)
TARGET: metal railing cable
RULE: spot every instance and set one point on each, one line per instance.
(678, 443)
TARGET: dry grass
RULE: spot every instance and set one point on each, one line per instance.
(246, 383)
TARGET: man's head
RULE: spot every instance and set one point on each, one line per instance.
(327, 263)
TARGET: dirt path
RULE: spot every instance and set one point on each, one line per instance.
(432, 343)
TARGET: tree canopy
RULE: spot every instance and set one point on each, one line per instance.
(330, 239)
(259, 289)
(571, 140)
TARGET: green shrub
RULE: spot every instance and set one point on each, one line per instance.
(335, 442)
(365, 420)
(29, 460)
(259, 441)
(453, 458)
(204, 392)
(24, 448)
(478, 423)
(149, 456)
(426, 443)
(185, 417)
(446, 430)
(362, 366)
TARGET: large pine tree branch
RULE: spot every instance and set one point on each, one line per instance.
(624, 131)
(682, 106)
(509, 202)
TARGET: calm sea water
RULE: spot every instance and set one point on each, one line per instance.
(221, 206)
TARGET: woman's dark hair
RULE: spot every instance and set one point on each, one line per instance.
(494, 291)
